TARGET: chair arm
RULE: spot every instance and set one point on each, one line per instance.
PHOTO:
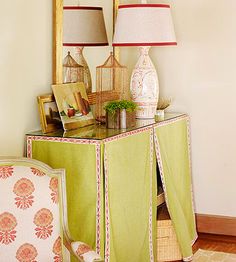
(84, 252)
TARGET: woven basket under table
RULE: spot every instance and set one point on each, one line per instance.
(167, 244)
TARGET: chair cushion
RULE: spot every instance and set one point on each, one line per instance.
(29, 214)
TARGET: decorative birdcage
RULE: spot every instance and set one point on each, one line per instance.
(111, 85)
(72, 71)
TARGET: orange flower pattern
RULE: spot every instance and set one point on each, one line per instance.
(7, 225)
(82, 249)
(43, 219)
(6, 171)
(26, 253)
(53, 185)
(24, 188)
(57, 250)
(37, 172)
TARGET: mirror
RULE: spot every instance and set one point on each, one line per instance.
(94, 55)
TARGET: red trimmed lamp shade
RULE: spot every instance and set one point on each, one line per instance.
(144, 25)
(84, 26)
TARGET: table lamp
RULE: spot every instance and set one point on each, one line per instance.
(84, 26)
(144, 25)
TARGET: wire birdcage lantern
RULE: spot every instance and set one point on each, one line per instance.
(111, 79)
(72, 71)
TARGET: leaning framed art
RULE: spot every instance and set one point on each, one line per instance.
(49, 114)
(73, 105)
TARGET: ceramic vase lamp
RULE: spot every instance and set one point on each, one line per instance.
(144, 25)
(84, 26)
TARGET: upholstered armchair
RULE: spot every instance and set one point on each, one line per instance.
(33, 216)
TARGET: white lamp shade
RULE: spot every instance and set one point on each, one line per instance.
(144, 25)
(84, 26)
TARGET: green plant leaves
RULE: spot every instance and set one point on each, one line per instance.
(112, 106)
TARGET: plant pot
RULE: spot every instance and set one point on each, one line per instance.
(127, 119)
(160, 114)
(121, 119)
(113, 119)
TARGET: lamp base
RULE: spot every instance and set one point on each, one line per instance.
(87, 75)
(144, 85)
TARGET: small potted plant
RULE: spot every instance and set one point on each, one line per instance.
(120, 114)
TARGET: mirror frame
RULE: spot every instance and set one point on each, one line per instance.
(57, 48)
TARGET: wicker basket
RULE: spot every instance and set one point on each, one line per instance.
(167, 244)
(160, 197)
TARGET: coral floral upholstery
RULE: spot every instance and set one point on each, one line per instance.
(32, 218)
(29, 214)
(84, 252)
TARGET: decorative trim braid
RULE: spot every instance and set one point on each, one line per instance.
(107, 213)
(85, 44)
(144, 5)
(29, 147)
(82, 7)
(124, 135)
(63, 139)
(29, 140)
(171, 121)
(151, 204)
(190, 167)
(145, 44)
(160, 166)
(99, 199)
(213, 224)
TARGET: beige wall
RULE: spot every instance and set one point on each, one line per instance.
(199, 75)
(25, 68)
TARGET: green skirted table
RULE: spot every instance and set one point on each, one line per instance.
(112, 185)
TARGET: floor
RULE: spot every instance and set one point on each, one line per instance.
(215, 242)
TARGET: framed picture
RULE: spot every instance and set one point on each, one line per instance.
(73, 105)
(49, 114)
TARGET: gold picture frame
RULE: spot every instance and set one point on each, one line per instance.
(49, 114)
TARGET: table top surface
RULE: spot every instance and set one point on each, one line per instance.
(100, 132)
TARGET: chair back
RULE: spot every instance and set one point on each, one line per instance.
(30, 228)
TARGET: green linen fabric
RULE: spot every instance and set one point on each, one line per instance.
(174, 163)
(79, 161)
(128, 188)
(130, 181)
